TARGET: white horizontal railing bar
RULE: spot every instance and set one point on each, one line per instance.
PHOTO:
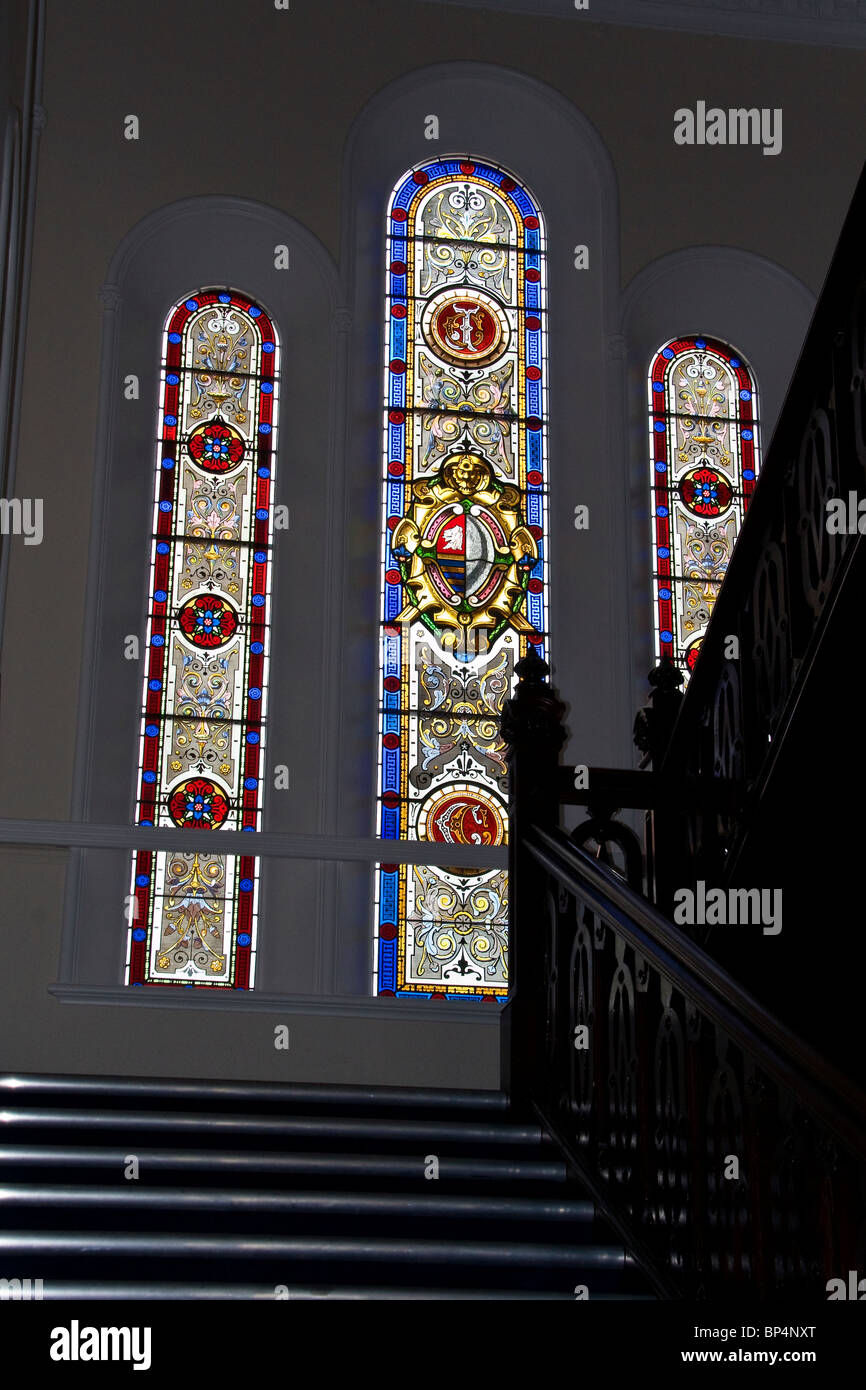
(366, 850)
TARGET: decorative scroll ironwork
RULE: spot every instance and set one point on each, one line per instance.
(723, 1173)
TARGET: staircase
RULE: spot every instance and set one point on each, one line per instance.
(250, 1191)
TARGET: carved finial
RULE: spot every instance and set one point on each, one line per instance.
(534, 713)
(532, 668)
(665, 678)
(652, 727)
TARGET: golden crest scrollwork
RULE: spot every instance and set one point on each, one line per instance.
(464, 552)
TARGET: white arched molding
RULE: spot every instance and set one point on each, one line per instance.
(758, 308)
(518, 123)
(198, 243)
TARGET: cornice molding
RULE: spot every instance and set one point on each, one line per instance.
(825, 23)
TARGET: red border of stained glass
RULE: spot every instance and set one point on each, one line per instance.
(255, 620)
(745, 422)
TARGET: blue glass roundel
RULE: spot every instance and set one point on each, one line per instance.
(250, 783)
(165, 506)
(664, 552)
(243, 938)
(246, 885)
(257, 648)
(142, 880)
(225, 298)
(668, 353)
(163, 548)
(191, 304)
(666, 636)
(700, 342)
(659, 426)
(254, 312)
(260, 556)
(139, 934)
(253, 737)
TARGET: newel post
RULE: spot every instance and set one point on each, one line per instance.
(532, 728)
(653, 728)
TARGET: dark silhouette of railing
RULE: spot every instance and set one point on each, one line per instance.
(729, 1156)
(727, 1150)
(788, 568)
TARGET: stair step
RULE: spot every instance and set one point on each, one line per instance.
(298, 1203)
(76, 1088)
(167, 1245)
(133, 1291)
(403, 1131)
(324, 1189)
(64, 1157)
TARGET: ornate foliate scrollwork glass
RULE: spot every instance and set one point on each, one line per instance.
(194, 909)
(464, 561)
(704, 459)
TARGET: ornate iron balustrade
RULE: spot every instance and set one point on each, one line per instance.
(728, 1155)
(732, 1160)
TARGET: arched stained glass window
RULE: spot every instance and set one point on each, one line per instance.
(464, 556)
(705, 456)
(205, 685)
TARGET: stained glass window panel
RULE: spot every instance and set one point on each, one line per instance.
(205, 693)
(704, 460)
(464, 561)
